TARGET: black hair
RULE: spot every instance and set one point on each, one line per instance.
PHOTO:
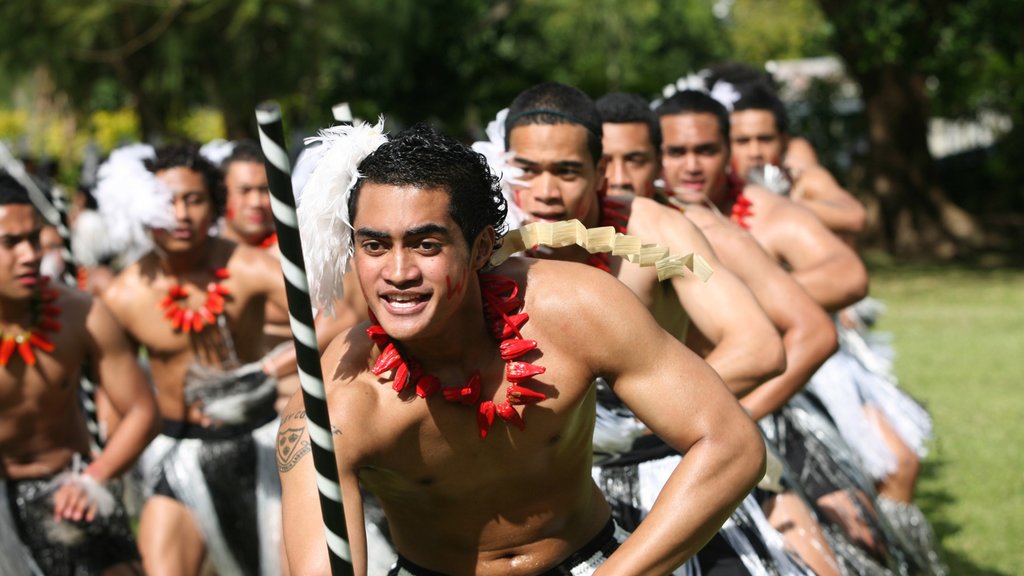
(762, 97)
(186, 155)
(243, 151)
(423, 157)
(11, 191)
(626, 108)
(738, 74)
(554, 103)
(695, 102)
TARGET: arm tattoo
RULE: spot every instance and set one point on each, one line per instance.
(292, 443)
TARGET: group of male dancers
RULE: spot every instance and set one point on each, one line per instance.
(680, 381)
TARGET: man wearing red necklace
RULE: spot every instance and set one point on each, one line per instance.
(760, 136)
(512, 350)
(695, 153)
(630, 133)
(57, 517)
(248, 220)
(196, 303)
(695, 156)
(553, 133)
(247, 216)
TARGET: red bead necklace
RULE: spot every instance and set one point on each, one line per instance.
(741, 205)
(44, 314)
(187, 320)
(269, 241)
(501, 301)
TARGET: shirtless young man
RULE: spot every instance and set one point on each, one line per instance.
(759, 136)
(196, 303)
(427, 215)
(695, 132)
(632, 135)
(248, 220)
(694, 165)
(53, 518)
(553, 132)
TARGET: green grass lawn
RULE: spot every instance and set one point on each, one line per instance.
(959, 338)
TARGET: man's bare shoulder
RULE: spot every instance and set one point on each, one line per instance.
(656, 223)
(348, 355)
(778, 210)
(123, 290)
(564, 298)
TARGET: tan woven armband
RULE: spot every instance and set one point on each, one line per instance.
(603, 239)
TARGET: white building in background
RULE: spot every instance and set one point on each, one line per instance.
(946, 137)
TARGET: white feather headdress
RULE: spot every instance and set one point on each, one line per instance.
(498, 158)
(131, 201)
(324, 224)
(725, 93)
(216, 151)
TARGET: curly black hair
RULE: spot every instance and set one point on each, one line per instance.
(186, 155)
(423, 157)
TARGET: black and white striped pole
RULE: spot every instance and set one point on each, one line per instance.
(300, 312)
(88, 387)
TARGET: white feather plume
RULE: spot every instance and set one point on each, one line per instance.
(216, 151)
(132, 201)
(725, 93)
(89, 238)
(498, 158)
(324, 225)
(303, 169)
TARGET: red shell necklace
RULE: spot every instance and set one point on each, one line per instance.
(501, 301)
(269, 241)
(44, 314)
(187, 320)
(741, 205)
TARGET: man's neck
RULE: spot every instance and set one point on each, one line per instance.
(230, 233)
(15, 311)
(181, 263)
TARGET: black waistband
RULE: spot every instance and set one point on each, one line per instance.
(604, 542)
(182, 430)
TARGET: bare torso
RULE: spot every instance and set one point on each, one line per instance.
(41, 425)
(135, 298)
(447, 493)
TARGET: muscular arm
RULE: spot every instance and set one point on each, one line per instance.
(817, 190)
(124, 382)
(747, 349)
(681, 399)
(270, 283)
(808, 335)
(303, 527)
(829, 270)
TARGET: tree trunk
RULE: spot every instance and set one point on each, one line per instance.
(915, 216)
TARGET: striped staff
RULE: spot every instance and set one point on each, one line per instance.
(88, 387)
(300, 315)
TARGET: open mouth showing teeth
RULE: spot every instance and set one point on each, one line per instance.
(404, 300)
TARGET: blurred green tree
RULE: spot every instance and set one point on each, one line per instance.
(912, 58)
